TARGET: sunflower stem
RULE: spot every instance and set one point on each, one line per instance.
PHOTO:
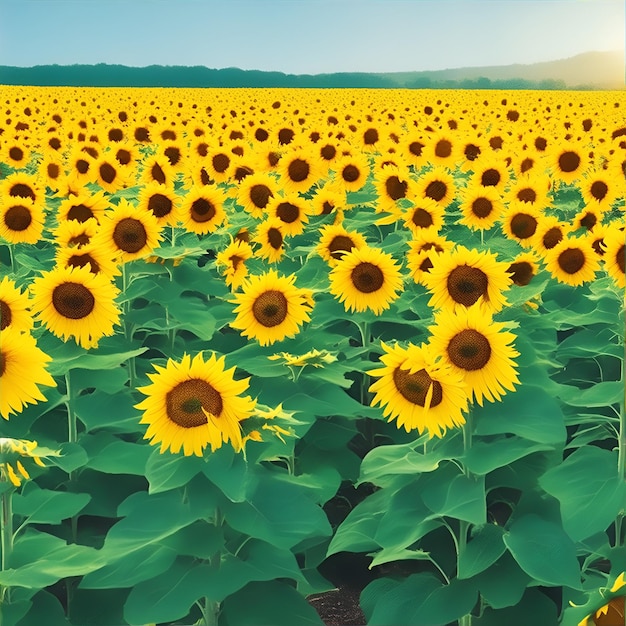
(6, 538)
(364, 330)
(621, 441)
(72, 437)
(128, 327)
(466, 620)
(467, 440)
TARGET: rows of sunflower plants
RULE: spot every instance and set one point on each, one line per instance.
(245, 333)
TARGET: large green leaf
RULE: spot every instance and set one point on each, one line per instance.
(544, 551)
(111, 411)
(503, 583)
(44, 506)
(486, 456)
(168, 471)
(228, 470)
(535, 608)
(109, 454)
(531, 412)
(589, 489)
(40, 560)
(484, 548)
(278, 512)
(449, 492)
(46, 609)
(603, 393)
(418, 599)
(271, 603)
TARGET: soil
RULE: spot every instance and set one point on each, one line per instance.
(339, 607)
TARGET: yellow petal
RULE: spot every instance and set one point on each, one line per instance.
(619, 583)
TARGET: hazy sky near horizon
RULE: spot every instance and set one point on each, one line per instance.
(307, 36)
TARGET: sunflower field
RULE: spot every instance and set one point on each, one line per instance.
(247, 334)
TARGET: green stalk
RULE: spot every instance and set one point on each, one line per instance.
(128, 329)
(621, 444)
(466, 620)
(6, 538)
(72, 437)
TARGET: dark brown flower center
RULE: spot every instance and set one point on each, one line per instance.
(79, 213)
(350, 173)
(53, 170)
(79, 240)
(18, 218)
(130, 235)
(414, 387)
(82, 165)
(21, 190)
(443, 149)
(108, 173)
(482, 207)
(599, 189)
(370, 136)
(270, 308)
(298, 170)
(422, 218)
(490, 178)
(5, 315)
(619, 257)
(521, 272)
(81, 260)
(202, 210)
(123, 156)
(436, 190)
(589, 220)
(73, 300)
(173, 155)
(552, 237)
(328, 152)
(339, 246)
(367, 277)
(528, 194)
(159, 204)
(184, 403)
(415, 148)
(469, 350)
(569, 161)
(523, 225)
(395, 188)
(275, 238)
(220, 162)
(260, 195)
(287, 212)
(571, 260)
(16, 153)
(157, 174)
(466, 284)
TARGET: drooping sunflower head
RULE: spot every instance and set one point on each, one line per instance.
(329, 199)
(14, 307)
(335, 241)
(462, 278)
(524, 268)
(422, 250)
(233, 261)
(14, 454)
(419, 390)
(269, 235)
(366, 278)
(20, 185)
(271, 308)
(194, 403)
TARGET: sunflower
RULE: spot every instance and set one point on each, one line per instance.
(438, 185)
(520, 222)
(366, 278)
(335, 241)
(481, 207)
(442, 149)
(524, 268)
(424, 216)
(550, 232)
(157, 169)
(202, 210)
(256, 192)
(52, 171)
(220, 164)
(12, 453)
(22, 370)
(391, 185)
(329, 199)
(299, 169)
(419, 390)
(269, 235)
(234, 258)
(21, 220)
(80, 164)
(96, 258)
(599, 189)
(161, 201)
(271, 308)
(194, 403)
(21, 185)
(128, 233)
(110, 175)
(614, 242)
(412, 148)
(589, 217)
(74, 302)
(478, 349)
(567, 161)
(490, 172)
(572, 261)
(351, 171)
(174, 153)
(461, 278)
(14, 307)
(530, 189)
(127, 155)
(83, 207)
(291, 210)
(421, 253)
(15, 153)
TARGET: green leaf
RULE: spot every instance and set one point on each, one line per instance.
(169, 471)
(44, 506)
(270, 603)
(418, 599)
(544, 551)
(46, 609)
(110, 382)
(589, 489)
(503, 583)
(448, 492)
(534, 605)
(484, 549)
(109, 454)
(486, 456)
(111, 411)
(228, 470)
(599, 394)
(531, 412)
(278, 512)
(390, 555)
(40, 560)
(131, 569)
(356, 532)
(70, 457)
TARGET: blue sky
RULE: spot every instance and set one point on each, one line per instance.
(307, 36)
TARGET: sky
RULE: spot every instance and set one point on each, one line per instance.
(307, 36)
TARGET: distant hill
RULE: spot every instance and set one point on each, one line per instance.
(590, 70)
